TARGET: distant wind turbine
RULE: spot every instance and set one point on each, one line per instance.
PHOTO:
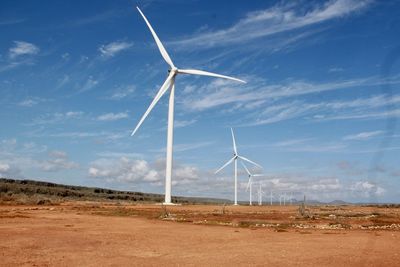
(270, 196)
(250, 182)
(260, 193)
(234, 159)
(170, 84)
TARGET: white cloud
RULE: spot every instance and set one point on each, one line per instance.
(11, 21)
(185, 147)
(277, 19)
(129, 170)
(114, 48)
(9, 170)
(58, 161)
(363, 136)
(123, 170)
(22, 48)
(183, 123)
(89, 84)
(272, 103)
(367, 189)
(112, 116)
(30, 102)
(123, 92)
(57, 117)
(335, 69)
(291, 142)
(221, 92)
(4, 167)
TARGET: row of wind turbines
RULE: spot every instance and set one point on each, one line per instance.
(169, 85)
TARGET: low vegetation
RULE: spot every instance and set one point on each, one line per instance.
(39, 193)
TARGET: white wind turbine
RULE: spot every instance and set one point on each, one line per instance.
(260, 193)
(270, 197)
(234, 159)
(170, 84)
(250, 182)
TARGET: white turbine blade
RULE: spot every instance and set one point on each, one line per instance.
(234, 142)
(160, 93)
(247, 170)
(226, 164)
(258, 175)
(163, 52)
(246, 159)
(248, 184)
(206, 73)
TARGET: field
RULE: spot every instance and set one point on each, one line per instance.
(93, 233)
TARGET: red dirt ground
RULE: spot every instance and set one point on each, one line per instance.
(90, 234)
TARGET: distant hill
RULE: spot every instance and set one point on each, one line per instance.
(338, 202)
(30, 191)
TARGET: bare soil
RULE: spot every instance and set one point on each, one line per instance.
(109, 234)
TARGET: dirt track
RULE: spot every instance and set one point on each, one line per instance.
(76, 236)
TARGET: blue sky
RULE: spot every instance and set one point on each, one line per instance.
(319, 111)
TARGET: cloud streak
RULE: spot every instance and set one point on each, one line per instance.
(363, 136)
(114, 48)
(21, 48)
(274, 20)
(112, 116)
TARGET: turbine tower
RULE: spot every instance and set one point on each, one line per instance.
(250, 182)
(234, 159)
(260, 193)
(170, 84)
(270, 197)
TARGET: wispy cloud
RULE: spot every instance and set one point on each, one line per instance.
(131, 170)
(183, 123)
(30, 102)
(89, 84)
(280, 18)
(363, 136)
(111, 49)
(96, 18)
(58, 161)
(57, 117)
(11, 22)
(21, 48)
(335, 69)
(291, 142)
(221, 92)
(113, 116)
(271, 103)
(121, 93)
(185, 147)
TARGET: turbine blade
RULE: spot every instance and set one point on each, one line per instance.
(226, 164)
(258, 175)
(234, 142)
(206, 73)
(247, 170)
(163, 52)
(248, 184)
(160, 93)
(246, 159)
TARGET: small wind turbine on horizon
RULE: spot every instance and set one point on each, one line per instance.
(270, 197)
(250, 182)
(170, 84)
(260, 193)
(234, 159)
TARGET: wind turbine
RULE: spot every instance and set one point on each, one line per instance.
(260, 193)
(250, 182)
(270, 197)
(170, 84)
(234, 159)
